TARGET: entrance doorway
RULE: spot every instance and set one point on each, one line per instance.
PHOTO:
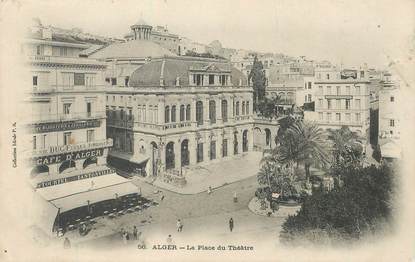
(185, 152)
(245, 141)
(170, 155)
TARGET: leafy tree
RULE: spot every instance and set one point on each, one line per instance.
(304, 142)
(346, 147)
(279, 178)
(267, 107)
(377, 155)
(357, 208)
(258, 79)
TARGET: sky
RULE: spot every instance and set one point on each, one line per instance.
(350, 32)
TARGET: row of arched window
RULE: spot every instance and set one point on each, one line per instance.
(170, 113)
(244, 109)
(184, 112)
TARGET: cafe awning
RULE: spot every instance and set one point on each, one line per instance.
(71, 188)
(75, 194)
(43, 213)
(93, 196)
(137, 158)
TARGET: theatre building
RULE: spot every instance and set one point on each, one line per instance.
(179, 112)
(67, 130)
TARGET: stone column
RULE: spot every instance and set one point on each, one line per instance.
(206, 149)
(240, 141)
(218, 102)
(218, 140)
(192, 151)
(79, 163)
(206, 119)
(250, 139)
(193, 109)
(54, 169)
(162, 151)
(177, 154)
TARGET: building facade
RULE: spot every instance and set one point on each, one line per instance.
(389, 119)
(68, 106)
(67, 130)
(179, 112)
(341, 99)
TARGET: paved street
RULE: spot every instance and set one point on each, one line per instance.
(216, 173)
(203, 215)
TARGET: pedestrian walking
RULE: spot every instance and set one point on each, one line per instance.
(235, 197)
(139, 236)
(135, 231)
(66, 243)
(169, 240)
(124, 238)
(209, 191)
(231, 224)
(179, 225)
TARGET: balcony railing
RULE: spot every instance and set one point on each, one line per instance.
(180, 89)
(66, 60)
(36, 118)
(73, 147)
(40, 89)
(242, 118)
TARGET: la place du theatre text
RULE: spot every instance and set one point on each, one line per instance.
(48, 160)
(203, 247)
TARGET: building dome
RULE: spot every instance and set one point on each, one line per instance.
(131, 50)
(141, 22)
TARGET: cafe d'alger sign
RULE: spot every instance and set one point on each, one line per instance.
(54, 159)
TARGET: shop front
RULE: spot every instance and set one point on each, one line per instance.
(70, 201)
(128, 164)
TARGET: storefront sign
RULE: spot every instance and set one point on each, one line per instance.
(345, 74)
(48, 160)
(73, 147)
(74, 178)
(61, 126)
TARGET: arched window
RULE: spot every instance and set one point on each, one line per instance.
(39, 169)
(181, 113)
(199, 113)
(173, 114)
(188, 113)
(243, 108)
(89, 161)
(170, 155)
(245, 141)
(247, 108)
(66, 164)
(224, 109)
(237, 108)
(167, 114)
(212, 111)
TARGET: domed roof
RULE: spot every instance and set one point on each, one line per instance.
(171, 68)
(132, 49)
(141, 23)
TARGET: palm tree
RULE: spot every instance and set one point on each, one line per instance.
(345, 145)
(304, 142)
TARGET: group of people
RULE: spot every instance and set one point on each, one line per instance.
(126, 236)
